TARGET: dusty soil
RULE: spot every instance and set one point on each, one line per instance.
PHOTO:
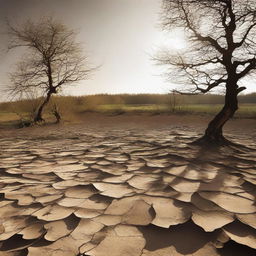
(129, 185)
(147, 122)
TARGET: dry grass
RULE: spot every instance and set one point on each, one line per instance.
(71, 108)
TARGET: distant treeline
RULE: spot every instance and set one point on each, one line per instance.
(161, 98)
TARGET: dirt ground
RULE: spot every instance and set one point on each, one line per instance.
(127, 185)
(147, 122)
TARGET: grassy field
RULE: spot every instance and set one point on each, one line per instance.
(72, 115)
(71, 108)
(245, 110)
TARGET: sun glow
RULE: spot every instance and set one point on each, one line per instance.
(177, 43)
(174, 40)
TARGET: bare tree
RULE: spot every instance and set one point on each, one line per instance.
(221, 51)
(53, 59)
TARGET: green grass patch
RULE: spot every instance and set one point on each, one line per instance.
(131, 108)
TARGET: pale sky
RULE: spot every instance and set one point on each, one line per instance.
(119, 35)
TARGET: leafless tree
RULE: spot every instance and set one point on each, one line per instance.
(53, 59)
(221, 51)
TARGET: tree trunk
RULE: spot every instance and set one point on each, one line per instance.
(214, 131)
(56, 113)
(38, 117)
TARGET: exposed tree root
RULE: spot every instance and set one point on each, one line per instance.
(212, 141)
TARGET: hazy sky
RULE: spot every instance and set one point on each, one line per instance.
(120, 35)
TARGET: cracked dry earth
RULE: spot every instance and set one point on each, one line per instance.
(126, 193)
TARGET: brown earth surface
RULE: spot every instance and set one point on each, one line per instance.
(127, 185)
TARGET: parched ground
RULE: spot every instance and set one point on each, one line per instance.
(127, 186)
